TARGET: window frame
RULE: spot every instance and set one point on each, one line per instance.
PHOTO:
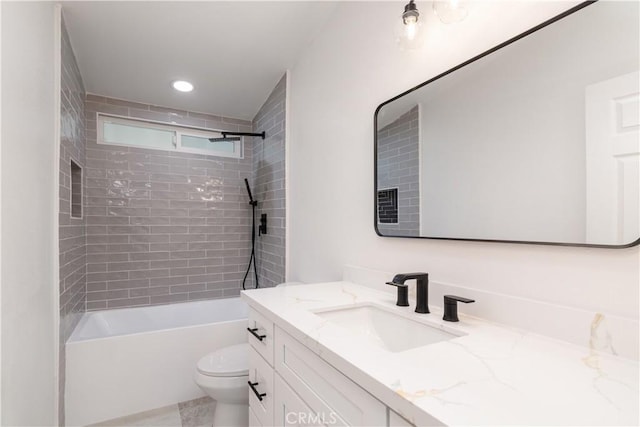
(177, 129)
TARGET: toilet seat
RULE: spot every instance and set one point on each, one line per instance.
(232, 361)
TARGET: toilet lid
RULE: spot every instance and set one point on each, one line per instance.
(232, 361)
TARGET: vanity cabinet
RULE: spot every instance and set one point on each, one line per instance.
(260, 333)
(293, 386)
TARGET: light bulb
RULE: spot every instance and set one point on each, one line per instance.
(450, 11)
(411, 30)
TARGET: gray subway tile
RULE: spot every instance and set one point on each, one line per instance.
(129, 302)
(128, 266)
(168, 299)
(155, 291)
(167, 263)
(179, 289)
(146, 206)
(106, 295)
(127, 284)
(107, 276)
(149, 274)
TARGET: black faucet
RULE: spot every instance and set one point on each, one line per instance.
(422, 290)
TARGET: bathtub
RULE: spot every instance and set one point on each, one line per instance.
(125, 361)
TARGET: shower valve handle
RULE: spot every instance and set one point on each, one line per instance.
(262, 228)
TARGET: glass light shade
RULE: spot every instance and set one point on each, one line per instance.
(450, 11)
(409, 33)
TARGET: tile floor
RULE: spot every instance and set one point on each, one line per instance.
(194, 413)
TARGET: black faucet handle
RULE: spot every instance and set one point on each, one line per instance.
(402, 299)
(453, 298)
(451, 307)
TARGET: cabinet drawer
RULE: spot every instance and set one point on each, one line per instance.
(261, 376)
(323, 388)
(260, 335)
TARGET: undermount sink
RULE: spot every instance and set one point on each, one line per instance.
(390, 331)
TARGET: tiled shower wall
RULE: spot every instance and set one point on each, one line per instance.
(269, 179)
(163, 227)
(72, 231)
(398, 167)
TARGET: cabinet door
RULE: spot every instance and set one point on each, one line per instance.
(261, 377)
(253, 419)
(291, 410)
(323, 388)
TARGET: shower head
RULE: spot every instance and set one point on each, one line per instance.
(225, 139)
(236, 135)
(251, 201)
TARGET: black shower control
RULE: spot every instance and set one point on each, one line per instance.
(451, 307)
(262, 229)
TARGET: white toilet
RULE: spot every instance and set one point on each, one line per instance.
(223, 375)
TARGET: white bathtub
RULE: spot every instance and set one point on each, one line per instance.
(121, 362)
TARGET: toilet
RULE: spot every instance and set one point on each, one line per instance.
(223, 375)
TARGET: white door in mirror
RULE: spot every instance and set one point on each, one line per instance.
(613, 160)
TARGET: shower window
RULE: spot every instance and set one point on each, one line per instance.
(114, 130)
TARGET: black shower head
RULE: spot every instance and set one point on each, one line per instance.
(225, 139)
(236, 135)
(246, 182)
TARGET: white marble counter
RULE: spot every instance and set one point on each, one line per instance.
(492, 375)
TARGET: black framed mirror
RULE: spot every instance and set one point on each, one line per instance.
(534, 141)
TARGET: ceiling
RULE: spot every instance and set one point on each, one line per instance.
(234, 52)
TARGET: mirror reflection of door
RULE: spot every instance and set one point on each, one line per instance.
(613, 156)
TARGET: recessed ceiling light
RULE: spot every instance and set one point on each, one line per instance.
(182, 86)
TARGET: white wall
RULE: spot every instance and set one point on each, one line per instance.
(0, 214)
(335, 87)
(29, 169)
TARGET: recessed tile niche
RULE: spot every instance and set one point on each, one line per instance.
(388, 206)
(76, 190)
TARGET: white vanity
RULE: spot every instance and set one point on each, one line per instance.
(343, 354)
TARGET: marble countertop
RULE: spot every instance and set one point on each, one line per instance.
(490, 375)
